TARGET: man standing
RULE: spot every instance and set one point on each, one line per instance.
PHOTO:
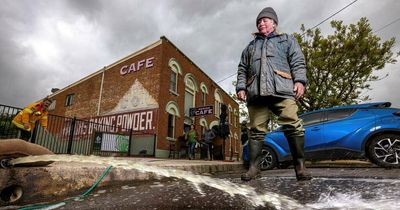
(271, 76)
(209, 136)
(25, 120)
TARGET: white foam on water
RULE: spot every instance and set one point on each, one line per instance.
(354, 201)
(276, 200)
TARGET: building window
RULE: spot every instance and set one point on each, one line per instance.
(52, 105)
(175, 70)
(230, 114)
(69, 100)
(190, 95)
(171, 125)
(235, 117)
(204, 92)
(189, 102)
(203, 98)
(218, 103)
(236, 142)
(172, 110)
(230, 144)
(172, 83)
(203, 124)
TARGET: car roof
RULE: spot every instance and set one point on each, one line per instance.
(355, 106)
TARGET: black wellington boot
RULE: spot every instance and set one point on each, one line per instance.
(296, 144)
(255, 148)
(301, 172)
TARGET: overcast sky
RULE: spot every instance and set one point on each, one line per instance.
(46, 43)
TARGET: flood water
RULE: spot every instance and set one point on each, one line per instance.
(182, 189)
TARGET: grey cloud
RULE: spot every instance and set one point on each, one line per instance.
(87, 35)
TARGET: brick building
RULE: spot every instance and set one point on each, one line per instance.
(151, 92)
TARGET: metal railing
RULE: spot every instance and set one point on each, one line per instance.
(7, 129)
(65, 135)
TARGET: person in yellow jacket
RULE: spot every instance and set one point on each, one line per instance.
(25, 120)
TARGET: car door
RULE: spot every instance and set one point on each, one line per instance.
(339, 124)
(313, 127)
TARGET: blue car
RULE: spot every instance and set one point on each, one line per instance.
(359, 131)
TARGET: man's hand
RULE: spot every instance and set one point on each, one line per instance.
(298, 90)
(241, 95)
(27, 126)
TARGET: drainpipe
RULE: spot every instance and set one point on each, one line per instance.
(101, 90)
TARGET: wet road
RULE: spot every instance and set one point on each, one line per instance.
(333, 188)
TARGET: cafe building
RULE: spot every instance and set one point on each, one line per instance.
(158, 92)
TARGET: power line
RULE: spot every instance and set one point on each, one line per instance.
(331, 16)
(227, 78)
(385, 26)
(302, 34)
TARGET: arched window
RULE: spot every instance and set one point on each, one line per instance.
(218, 102)
(203, 124)
(204, 93)
(230, 115)
(214, 123)
(190, 96)
(175, 70)
(235, 117)
(235, 136)
(173, 111)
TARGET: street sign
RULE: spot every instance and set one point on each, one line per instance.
(199, 111)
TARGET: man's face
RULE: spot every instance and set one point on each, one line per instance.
(265, 26)
(46, 104)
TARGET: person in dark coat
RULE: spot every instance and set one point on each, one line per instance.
(271, 76)
(209, 136)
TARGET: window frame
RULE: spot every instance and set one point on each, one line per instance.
(218, 101)
(69, 100)
(173, 85)
(190, 88)
(176, 69)
(171, 119)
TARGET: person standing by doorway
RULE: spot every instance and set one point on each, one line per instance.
(209, 136)
(192, 138)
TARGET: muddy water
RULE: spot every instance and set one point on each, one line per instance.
(256, 199)
(278, 192)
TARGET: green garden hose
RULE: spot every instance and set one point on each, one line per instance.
(54, 205)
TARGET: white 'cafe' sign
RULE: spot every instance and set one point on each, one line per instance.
(136, 66)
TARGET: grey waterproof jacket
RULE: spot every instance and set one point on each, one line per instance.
(269, 66)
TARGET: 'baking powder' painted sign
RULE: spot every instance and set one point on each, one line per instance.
(137, 66)
(139, 121)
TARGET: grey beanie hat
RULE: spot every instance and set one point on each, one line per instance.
(269, 13)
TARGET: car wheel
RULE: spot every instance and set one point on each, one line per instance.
(384, 150)
(268, 160)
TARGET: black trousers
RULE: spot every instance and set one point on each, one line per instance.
(25, 135)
